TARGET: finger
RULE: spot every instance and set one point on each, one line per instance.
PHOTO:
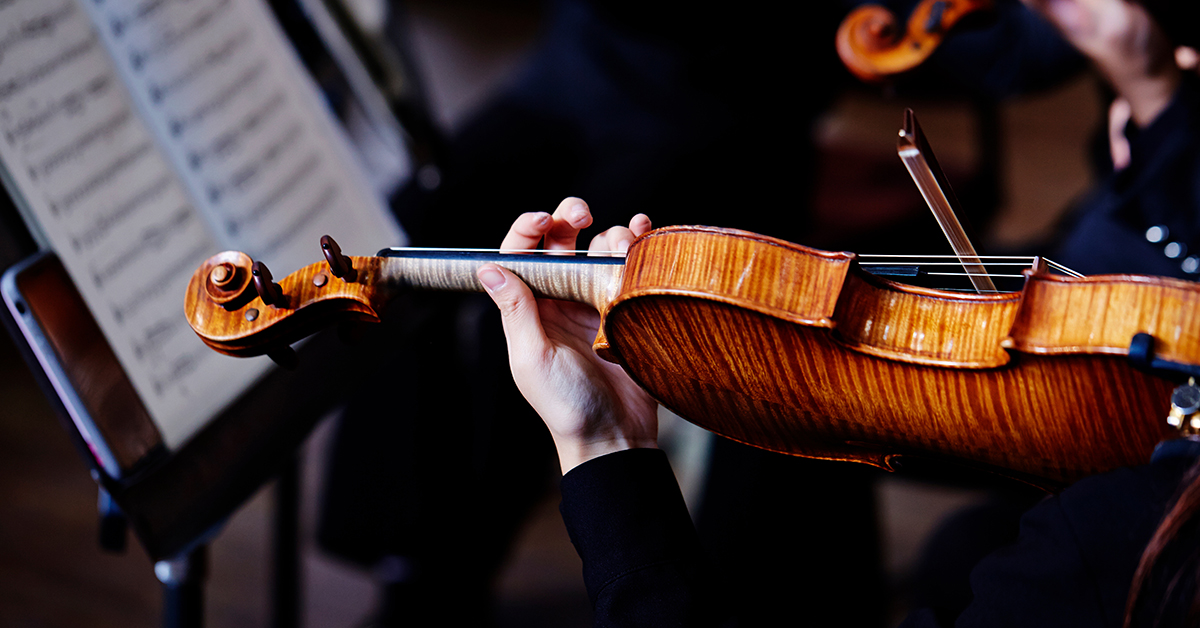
(614, 239)
(599, 244)
(518, 312)
(619, 239)
(640, 224)
(571, 216)
(1187, 58)
(527, 231)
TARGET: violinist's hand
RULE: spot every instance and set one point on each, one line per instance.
(591, 406)
(1125, 44)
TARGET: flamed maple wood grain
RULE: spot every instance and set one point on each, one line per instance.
(861, 368)
(800, 351)
(794, 389)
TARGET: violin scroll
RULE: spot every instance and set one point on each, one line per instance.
(874, 45)
(236, 307)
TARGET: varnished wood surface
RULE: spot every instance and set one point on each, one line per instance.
(912, 324)
(874, 44)
(593, 281)
(876, 376)
(1100, 314)
(234, 332)
(765, 274)
(800, 351)
(316, 299)
(796, 390)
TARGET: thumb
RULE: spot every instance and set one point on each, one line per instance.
(518, 308)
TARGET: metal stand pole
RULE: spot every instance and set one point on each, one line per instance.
(286, 593)
(183, 588)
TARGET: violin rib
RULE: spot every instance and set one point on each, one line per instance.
(871, 370)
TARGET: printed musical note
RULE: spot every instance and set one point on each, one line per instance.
(107, 173)
(246, 175)
(155, 335)
(150, 241)
(230, 140)
(240, 84)
(38, 73)
(174, 36)
(120, 118)
(37, 26)
(306, 216)
(76, 147)
(140, 13)
(157, 285)
(212, 59)
(105, 222)
(289, 185)
(70, 104)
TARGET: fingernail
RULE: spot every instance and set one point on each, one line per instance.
(578, 212)
(542, 219)
(490, 278)
(622, 246)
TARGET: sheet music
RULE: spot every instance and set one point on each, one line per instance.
(224, 144)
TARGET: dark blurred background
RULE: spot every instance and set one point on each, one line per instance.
(53, 574)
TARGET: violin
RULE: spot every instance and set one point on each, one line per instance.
(802, 351)
(873, 45)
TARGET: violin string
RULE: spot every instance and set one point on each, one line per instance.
(1062, 269)
(1027, 259)
(435, 249)
(864, 258)
(941, 264)
(968, 274)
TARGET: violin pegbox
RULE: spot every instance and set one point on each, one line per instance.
(236, 307)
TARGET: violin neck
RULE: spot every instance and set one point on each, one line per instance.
(590, 280)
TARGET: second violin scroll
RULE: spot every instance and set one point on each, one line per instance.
(874, 45)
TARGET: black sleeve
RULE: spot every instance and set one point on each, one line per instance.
(1108, 231)
(1073, 563)
(1014, 51)
(642, 561)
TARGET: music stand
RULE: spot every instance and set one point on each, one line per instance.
(175, 500)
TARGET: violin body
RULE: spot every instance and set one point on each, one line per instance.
(874, 45)
(803, 352)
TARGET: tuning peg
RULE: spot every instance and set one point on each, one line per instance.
(227, 279)
(270, 291)
(339, 265)
(285, 357)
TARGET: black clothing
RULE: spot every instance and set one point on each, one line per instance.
(1071, 566)
(688, 112)
(1160, 188)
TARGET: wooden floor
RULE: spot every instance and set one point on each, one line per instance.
(52, 574)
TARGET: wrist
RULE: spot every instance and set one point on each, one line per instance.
(1149, 95)
(573, 452)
